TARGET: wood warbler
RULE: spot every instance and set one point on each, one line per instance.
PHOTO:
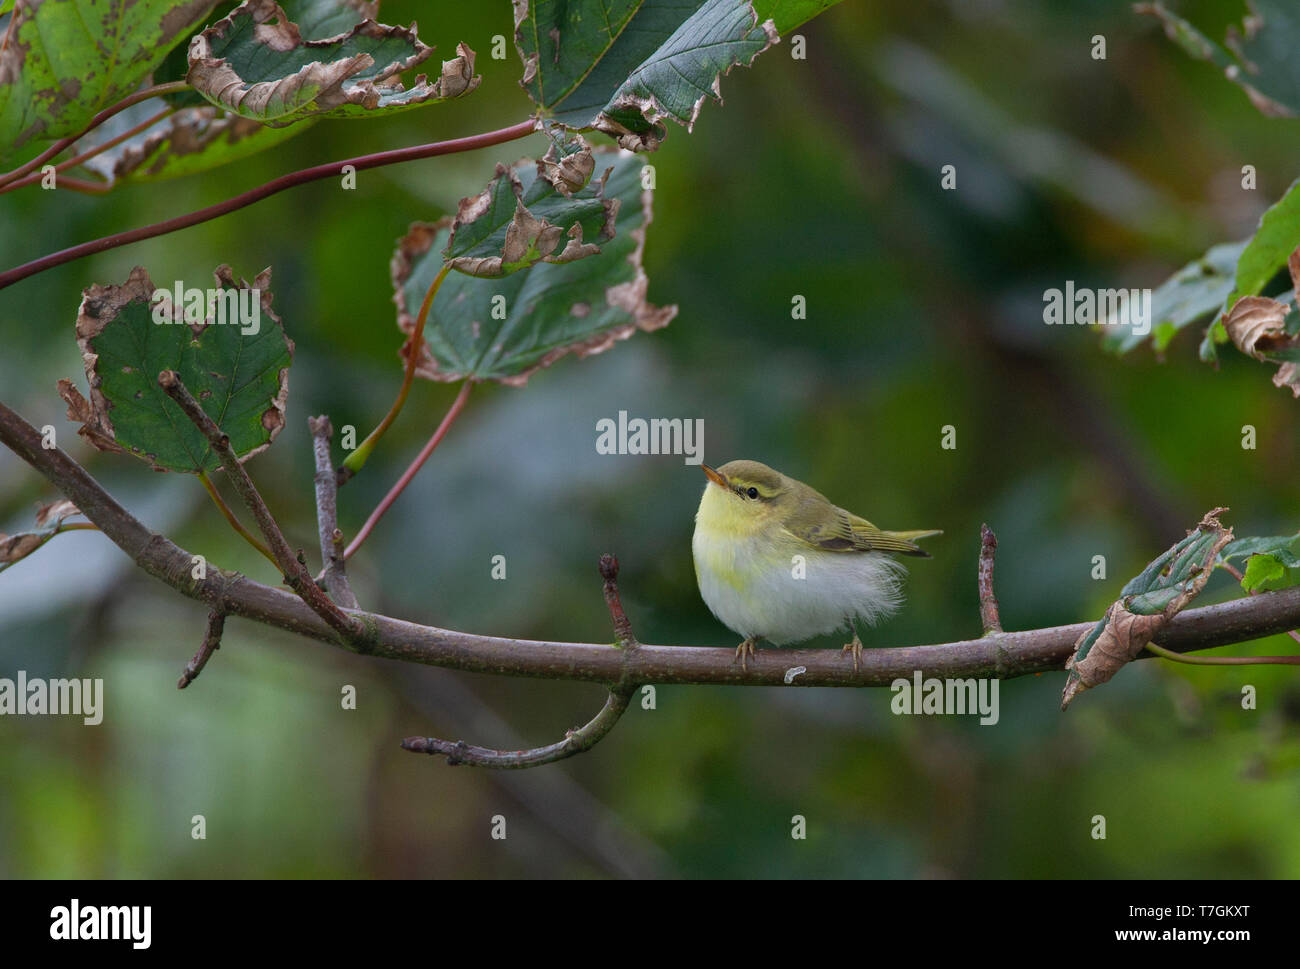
(776, 560)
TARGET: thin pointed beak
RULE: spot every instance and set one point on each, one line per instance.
(718, 479)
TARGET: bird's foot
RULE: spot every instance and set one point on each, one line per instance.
(855, 648)
(744, 650)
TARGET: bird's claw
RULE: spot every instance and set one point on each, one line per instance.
(855, 648)
(744, 650)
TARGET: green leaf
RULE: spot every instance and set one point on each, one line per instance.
(1261, 569)
(257, 64)
(1195, 291)
(1267, 251)
(622, 66)
(63, 61)
(236, 364)
(316, 20)
(536, 211)
(1281, 547)
(1259, 54)
(505, 328)
(786, 15)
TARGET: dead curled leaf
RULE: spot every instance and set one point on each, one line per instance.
(528, 237)
(1124, 634)
(1257, 326)
(190, 131)
(55, 512)
(19, 546)
(49, 521)
(331, 80)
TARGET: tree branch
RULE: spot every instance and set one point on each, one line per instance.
(276, 185)
(989, 617)
(334, 577)
(622, 626)
(574, 742)
(1005, 655)
(211, 643)
(295, 572)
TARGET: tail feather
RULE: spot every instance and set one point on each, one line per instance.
(907, 540)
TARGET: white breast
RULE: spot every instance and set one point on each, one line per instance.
(786, 601)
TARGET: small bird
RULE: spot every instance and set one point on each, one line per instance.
(776, 560)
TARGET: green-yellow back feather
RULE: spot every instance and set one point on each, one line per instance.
(809, 516)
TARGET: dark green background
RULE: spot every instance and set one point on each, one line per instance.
(818, 177)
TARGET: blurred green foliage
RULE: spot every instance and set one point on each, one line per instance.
(819, 178)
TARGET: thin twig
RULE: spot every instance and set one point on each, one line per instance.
(1006, 655)
(83, 185)
(295, 572)
(334, 577)
(328, 170)
(1224, 660)
(622, 626)
(457, 405)
(574, 742)
(171, 87)
(211, 643)
(989, 617)
(234, 522)
(357, 459)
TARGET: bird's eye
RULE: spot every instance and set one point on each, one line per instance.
(752, 492)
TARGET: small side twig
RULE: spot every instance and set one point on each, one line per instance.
(334, 577)
(622, 626)
(574, 742)
(295, 572)
(989, 617)
(211, 643)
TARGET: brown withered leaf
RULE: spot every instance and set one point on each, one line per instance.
(542, 211)
(49, 522)
(256, 64)
(95, 427)
(1172, 580)
(55, 512)
(1257, 326)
